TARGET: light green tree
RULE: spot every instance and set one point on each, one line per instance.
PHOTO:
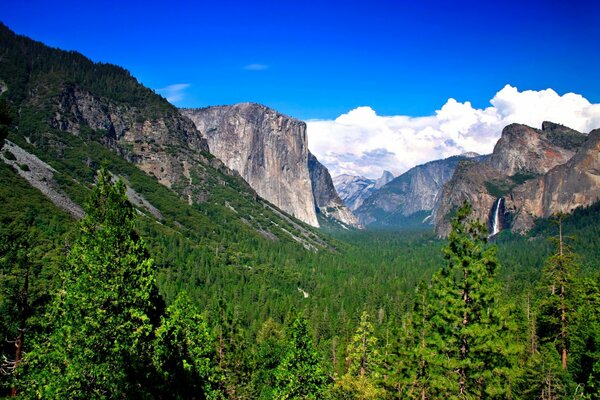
(102, 319)
(300, 375)
(363, 361)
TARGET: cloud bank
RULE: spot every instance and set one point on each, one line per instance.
(361, 142)
(174, 93)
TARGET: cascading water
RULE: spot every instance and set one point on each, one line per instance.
(496, 219)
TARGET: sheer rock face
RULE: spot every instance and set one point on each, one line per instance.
(353, 190)
(467, 184)
(385, 178)
(269, 150)
(326, 198)
(536, 172)
(165, 146)
(562, 189)
(414, 191)
(525, 149)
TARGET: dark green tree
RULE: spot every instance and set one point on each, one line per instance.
(557, 305)
(184, 353)
(300, 375)
(472, 331)
(6, 119)
(17, 270)
(103, 318)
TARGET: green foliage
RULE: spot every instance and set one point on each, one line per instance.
(183, 353)
(522, 176)
(300, 375)
(499, 187)
(102, 320)
(543, 377)
(467, 348)
(6, 119)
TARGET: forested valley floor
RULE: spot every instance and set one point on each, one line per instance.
(112, 308)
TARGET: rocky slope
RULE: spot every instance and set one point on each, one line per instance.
(329, 205)
(415, 191)
(522, 149)
(353, 190)
(562, 189)
(75, 115)
(507, 179)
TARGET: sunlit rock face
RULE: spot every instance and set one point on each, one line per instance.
(268, 149)
(353, 190)
(531, 173)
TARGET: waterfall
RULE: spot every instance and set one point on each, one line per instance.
(496, 219)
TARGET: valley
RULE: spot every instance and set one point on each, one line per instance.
(149, 251)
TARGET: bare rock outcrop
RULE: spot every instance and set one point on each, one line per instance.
(328, 203)
(531, 173)
(563, 189)
(353, 190)
(268, 149)
(415, 191)
(164, 145)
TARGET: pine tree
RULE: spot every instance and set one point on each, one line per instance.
(183, 353)
(557, 305)
(103, 318)
(17, 270)
(363, 363)
(470, 331)
(300, 375)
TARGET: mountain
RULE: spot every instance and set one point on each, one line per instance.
(561, 190)
(269, 150)
(353, 190)
(329, 205)
(409, 198)
(75, 115)
(385, 177)
(498, 186)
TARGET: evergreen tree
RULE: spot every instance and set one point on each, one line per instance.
(103, 318)
(6, 119)
(363, 362)
(271, 347)
(556, 307)
(543, 376)
(300, 375)
(183, 353)
(17, 270)
(471, 333)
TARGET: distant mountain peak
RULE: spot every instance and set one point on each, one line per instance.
(386, 177)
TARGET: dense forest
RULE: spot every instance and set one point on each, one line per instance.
(391, 315)
(195, 303)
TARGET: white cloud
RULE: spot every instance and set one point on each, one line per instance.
(174, 93)
(361, 142)
(255, 67)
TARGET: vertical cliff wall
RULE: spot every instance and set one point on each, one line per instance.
(268, 149)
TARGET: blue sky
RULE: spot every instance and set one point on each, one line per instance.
(318, 60)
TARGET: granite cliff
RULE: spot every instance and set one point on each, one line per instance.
(353, 190)
(270, 151)
(522, 179)
(409, 198)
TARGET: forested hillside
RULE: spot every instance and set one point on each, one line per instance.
(197, 288)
